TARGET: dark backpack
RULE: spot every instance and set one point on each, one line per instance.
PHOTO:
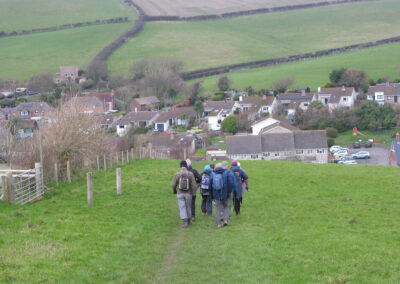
(238, 178)
(184, 183)
(218, 182)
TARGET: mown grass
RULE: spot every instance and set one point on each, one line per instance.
(23, 56)
(347, 138)
(376, 61)
(300, 223)
(20, 15)
(228, 41)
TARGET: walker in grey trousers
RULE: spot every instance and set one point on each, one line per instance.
(185, 206)
(222, 206)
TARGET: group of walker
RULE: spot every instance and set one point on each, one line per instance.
(218, 184)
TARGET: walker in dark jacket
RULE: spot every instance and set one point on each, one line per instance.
(197, 177)
(206, 192)
(221, 196)
(240, 176)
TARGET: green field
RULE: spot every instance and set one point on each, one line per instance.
(346, 139)
(228, 41)
(300, 223)
(23, 56)
(377, 62)
(17, 15)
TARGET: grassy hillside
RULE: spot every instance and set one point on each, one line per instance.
(23, 56)
(300, 223)
(17, 15)
(229, 41)
(377, 62)
(194, 7)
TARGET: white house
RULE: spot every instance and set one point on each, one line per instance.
(292, 101)
(135, 119)
(384, 93)
(179, 116)
(337, 97)
(272, 125)
(216, 111)
(255, 107)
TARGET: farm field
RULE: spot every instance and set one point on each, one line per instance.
(17, 15)
(228, 41)
(194, 8)
(23, 56)
(320, 223)
(377, 61)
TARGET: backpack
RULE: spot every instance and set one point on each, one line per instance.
(218, 182)
(183, 183)
(205, 181)
(238, 178)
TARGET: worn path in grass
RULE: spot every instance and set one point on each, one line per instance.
(301, 223)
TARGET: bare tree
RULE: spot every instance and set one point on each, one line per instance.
(7, 142)
(353, 78)
(223, 83)
(41, 83)
(282, 84)
(146, 67)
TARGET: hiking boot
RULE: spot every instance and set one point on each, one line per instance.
(225, 223)
(219, 226)
(185, 224)
(192, 220)
(204, 214)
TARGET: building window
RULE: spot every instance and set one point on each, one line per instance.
(309, 151)
(320, 151)
(276, 154)
(254, 156)
(299, 151)
(344, 99)
(306, 104)
(379, 97)
(266, 154)
(36, 112)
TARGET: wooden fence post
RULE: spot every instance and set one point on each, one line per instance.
(56, 173)
(127, 156)
(132, 154)
(119, 185)
(89, 189)
(117, 158)
(10, 195)
(105, 163)
(122, 157)
(68, 172)
(98, 163)
(184, 154)
(3, 188)
(38, 178)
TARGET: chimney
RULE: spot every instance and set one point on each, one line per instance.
(387, 83)
(264, 97)
(343, 88)
(303, 92)
(319, 90)
(240, 98)
(397, 137)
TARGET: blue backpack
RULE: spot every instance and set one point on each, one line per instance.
(218, 182)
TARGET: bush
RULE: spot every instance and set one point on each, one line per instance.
(229, 124)
(331, 132)
(331, 142)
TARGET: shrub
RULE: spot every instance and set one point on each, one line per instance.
(229, 124)
(331, 142)
(331, 132)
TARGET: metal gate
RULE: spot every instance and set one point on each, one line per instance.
(28, 186)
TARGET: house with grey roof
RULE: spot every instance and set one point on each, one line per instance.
(32, 110)
(178, 116)
(307, 146)
(292, 101)
(145, 104)
(272, 125)
(384, 93)
(337, 97)
(108, 121)
(67, 74)
(216, 111)
(175, 146)
(256, 107)
(136, 119)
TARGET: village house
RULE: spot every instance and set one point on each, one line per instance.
(256, 107)
(27, 129)
(216, 111)
(106, 98)
(307, 146)
(145, 104)
(33, 110)
(384, 93)
(177, 146)
(108, 121)
(67, 74)
(179, 117)
(136, 119)
(291, 101)
(88, 105)
(337, 97)
(272, 125)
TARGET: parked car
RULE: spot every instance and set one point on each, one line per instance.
(334, 148)
(340, 160)
(350, 162)
(361, 155)
(356, 145)
(340, 153)
(31, 93)
(368, 144)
